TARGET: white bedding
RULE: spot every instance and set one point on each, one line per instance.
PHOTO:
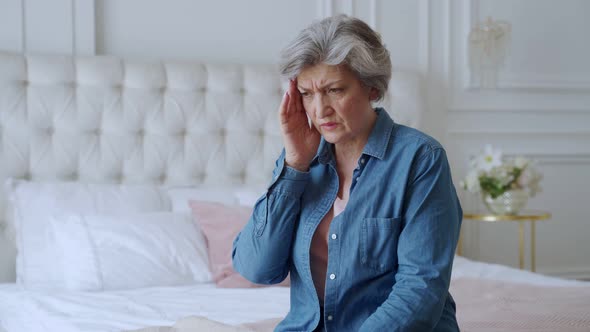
(37, 311)
(463, 267)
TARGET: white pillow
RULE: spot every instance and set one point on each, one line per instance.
(34, 203)
(107, 252)
(180, 196)
(241, 195)
(249, 196)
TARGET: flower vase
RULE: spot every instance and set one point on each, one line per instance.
(508, 203)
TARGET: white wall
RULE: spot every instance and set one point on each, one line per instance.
(541, 108)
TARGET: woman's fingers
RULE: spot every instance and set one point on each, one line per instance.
(292, 96)
(284, 102)
(283, 108)
(297, 99)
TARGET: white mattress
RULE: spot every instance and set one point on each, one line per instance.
(22, 310)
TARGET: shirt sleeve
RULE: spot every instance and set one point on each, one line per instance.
(426, 247)
(261, 251)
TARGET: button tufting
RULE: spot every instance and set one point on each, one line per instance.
(242, 175)
(118, 177)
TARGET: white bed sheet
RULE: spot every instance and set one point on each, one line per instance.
(463, 267)
(36, 311)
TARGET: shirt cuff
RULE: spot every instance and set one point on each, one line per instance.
(287, 179)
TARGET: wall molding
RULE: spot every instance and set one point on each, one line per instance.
(556, 158)
(511, 110)
(509, 80)
(373, 20)
(75, 33)
(83, 27)
(23, 26)
(571, 134)
(424, 33)
(334, 7)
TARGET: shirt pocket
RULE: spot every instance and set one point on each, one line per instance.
(379, 238)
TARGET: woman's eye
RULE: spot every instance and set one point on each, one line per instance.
(335, 90)
(305, 94)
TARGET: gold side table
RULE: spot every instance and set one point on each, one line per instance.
(522, 218)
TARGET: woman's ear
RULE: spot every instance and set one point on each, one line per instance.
(373, 94)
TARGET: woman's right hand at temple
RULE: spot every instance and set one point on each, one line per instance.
(300, 139)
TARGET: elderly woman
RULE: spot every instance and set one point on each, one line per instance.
(361, 211)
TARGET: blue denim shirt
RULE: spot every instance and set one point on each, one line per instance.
(391, 250)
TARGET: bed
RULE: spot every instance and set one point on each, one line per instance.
(124, 180)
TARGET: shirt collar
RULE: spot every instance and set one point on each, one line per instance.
(376, 144)
(379, 137)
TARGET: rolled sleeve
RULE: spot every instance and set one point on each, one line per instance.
(261, 250)
(288, 180)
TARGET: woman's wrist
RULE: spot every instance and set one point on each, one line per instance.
(301, 167)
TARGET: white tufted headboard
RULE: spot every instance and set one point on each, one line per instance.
(103, 119)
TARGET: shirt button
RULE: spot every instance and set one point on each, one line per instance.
(334, 236)
(330, 317)
(332, 276)
(363, 161)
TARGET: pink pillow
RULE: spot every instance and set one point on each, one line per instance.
(221, 224)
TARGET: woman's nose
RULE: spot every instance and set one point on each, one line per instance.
(322, 106)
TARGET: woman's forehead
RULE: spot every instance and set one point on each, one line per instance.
(321, 74)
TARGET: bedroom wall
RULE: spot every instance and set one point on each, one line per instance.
(540, 108)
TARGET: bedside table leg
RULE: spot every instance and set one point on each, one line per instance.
(533, 235)
(521, 245)
(460, 244)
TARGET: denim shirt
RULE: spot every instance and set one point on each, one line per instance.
(391, 250)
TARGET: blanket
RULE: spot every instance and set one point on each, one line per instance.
(200, 324)
(482, 306)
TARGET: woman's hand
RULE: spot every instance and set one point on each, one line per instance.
(301, 140)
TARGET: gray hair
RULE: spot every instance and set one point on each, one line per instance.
(340, 40)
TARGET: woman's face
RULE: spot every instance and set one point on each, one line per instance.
(338, 105)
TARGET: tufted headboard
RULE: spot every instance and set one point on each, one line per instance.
(104, 119)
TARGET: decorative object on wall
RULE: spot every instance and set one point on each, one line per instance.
(489, 44)
(505, 185)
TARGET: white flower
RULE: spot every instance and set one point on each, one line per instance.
(534, 178)
(521, 162)
(471, 182)
(489, 159)
(490, 175)
(524, 179)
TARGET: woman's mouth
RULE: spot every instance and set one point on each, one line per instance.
(329, 125)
